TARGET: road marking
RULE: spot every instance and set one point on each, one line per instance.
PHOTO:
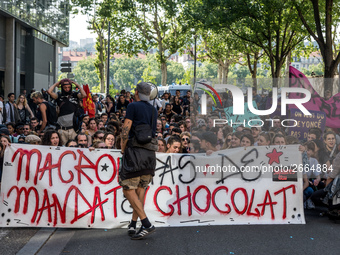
(37, 241)
(57, 242)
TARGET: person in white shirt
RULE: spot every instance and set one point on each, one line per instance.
(157, 104)
(165, 100)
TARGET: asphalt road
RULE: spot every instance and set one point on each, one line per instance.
(318, 236)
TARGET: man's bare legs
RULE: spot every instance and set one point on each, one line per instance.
(140, 193)
(136, 199)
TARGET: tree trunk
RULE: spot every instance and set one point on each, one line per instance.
(272, 70)
(328, 79)
(225, 71)
(289, 55)
(101, 63)
(219, 74)
(253, 76)
(164, 73)
(276, 73)
(102, 79)
(253, 70)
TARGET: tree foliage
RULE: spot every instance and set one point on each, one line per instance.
(85, 72)
(271, 25)
(146, 25)
(316, 69)
(97, 24)
(321, 19)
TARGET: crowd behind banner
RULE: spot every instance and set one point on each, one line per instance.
(59, 119)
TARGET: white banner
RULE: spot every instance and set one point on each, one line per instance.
(46, 186)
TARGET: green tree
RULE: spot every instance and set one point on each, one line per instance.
(175, 72)
(271, 25)
(124, 79)
(147, 75)
(188, 76)
(321, 19)
(241, 72)
(146, 25)
(208, 71)
(151, 60)
(97, 24)
(316, 69)
(85, 72)
(220, 48)
(253, 56)
(135, 66)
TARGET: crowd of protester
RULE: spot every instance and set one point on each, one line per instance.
(44, 118)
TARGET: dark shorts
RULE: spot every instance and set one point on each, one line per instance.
(136, 182)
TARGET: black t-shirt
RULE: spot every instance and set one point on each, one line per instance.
(51, 114)
(67, 104)
(121, 106)
(176, 108)
(141, 113)
(168, 115)
(113, 108)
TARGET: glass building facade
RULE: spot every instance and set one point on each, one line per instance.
(50, 17)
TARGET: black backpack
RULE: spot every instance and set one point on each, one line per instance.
(52, 116)
(78, 118)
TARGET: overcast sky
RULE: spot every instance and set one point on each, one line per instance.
(78, 28)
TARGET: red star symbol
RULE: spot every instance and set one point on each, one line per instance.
(274, 156)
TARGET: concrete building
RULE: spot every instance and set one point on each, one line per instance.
(71, 46)
(74, 56)
(86, 41)
(185, 59)
(30, 33)
(305, 62)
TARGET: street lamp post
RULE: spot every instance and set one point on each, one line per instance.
(195, 36)
(108, 64)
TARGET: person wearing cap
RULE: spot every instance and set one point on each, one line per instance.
(255, 131)
(4, 131)
(32, 139)
(68, 104)
(135, 183)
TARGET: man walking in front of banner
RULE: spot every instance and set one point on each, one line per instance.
(135, 180)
